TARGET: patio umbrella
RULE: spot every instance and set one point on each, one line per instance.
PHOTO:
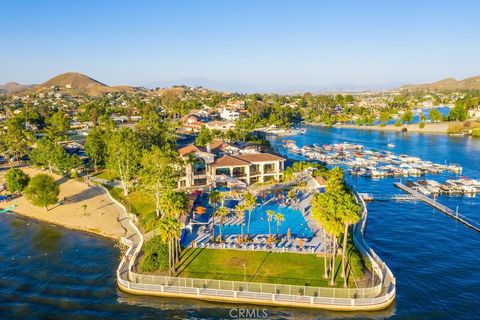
(200, 210)
(300, 243)
(289, 233)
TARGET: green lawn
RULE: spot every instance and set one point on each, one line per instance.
(267, 267)
(106, 174)
(139, 203)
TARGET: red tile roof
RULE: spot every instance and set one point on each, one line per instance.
(188, 149)
(259, 157)
(227, 161)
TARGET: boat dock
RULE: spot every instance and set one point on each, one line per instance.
(440, 207)
(386, 197)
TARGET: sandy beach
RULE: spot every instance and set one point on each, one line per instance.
(99, 217)
(441, 127)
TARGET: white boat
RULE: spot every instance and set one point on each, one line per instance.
(391, 145)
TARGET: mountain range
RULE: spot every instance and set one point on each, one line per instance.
(76, 84)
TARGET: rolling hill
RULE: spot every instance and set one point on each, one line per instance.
(13, 87)
(449, 84)
(75, 84)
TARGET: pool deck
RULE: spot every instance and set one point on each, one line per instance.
(201, 236)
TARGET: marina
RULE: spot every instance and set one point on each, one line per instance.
(369, 162)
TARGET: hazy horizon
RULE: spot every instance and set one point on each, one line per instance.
(242, 46)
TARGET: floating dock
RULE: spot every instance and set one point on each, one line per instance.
(440, 207)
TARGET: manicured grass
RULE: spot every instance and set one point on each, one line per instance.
(139, 203)
(106, 174)
(260, 266)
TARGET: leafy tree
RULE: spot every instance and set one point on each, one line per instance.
(154, 131)
(385, 116)
(42, 191)
(58, 126)
(459, 112)
(204, 137)
(50, 154)
(398, 123)
(160, 172)
(421, 125)
(15, 139)
(124, 152)
(95, 147)
(435, 115)
(407, 116)
(17, 180)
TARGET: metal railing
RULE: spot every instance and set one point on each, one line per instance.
(257, 287)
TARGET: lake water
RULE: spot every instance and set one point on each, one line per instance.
(51, 272)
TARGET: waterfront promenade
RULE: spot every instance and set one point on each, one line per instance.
(376, 297)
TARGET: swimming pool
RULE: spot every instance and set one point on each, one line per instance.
(259, 223)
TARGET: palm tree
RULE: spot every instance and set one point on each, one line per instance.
(221, 212)
(240, 210)
(174, 204)
(250, 202)
(170, 232)
(320, 204)
(334, 228)
(279, 218)
(215, 197)
(349, 215)
(270, 214)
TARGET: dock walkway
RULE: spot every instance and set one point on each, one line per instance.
(440, 207)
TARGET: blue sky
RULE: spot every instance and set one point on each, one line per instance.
(263, 44)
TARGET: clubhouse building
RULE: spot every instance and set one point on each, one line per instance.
(222, 164)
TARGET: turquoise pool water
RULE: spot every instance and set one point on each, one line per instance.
(259, 223)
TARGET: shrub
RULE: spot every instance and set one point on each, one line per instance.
(455, 128)
(155, 255)
(421, 125)
(476, 133)
(398, 123)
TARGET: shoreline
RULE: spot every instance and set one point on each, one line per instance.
(87, 209)
(61, 226)
(430, 128)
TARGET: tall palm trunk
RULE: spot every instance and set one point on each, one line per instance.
(221, 226)
(179, 250)
(213, 223)
(332, 281)
(325, 259)
(344, 250)
(169, 258)
(157, 204)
